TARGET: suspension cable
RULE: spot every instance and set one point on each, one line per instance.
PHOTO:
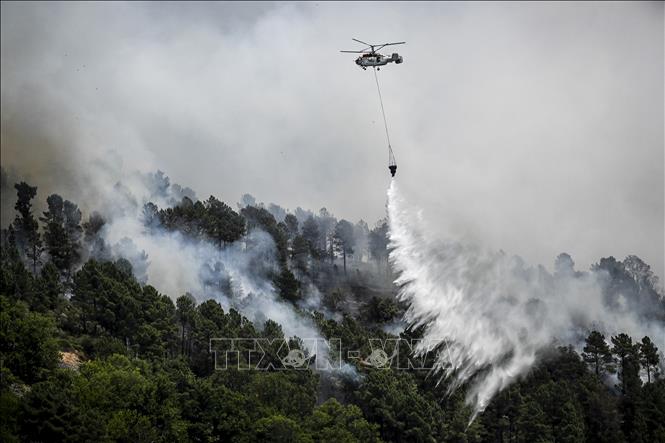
(391, 155)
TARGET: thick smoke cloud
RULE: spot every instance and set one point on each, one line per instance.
(495, 314)
(536, 128)
(176, 264)
(539, 125)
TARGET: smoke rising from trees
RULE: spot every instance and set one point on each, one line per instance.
(552, 113)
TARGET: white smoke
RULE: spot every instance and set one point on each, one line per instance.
(493, 314)
(176, 264)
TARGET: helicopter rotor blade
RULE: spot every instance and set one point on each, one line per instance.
(354, 52)
(390, 44)
(381, 46)
(360, 41)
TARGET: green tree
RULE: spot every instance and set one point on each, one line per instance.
(300, 251)
(62, 232)
(187, 217)
(291, 223)
(135, 401)
(631, 405)
(601, 413)
(279, 429)
(215, 412)
(10, 411)
(222, 224)
(92, 230)
(287, 285)
(112, 303)
(648, 356)
(597, 353)
(16, 280)
(108, 298)
(27, 228)
(27, 341)
(53, 411)
(186, 315)
(290, 393)
(262, 219)
(570, 428)
(73, 228)
(392, 399)
(211, 322)
(344, 239)
(155, 334)
(50, 288)
(533, 424)
(310, 232)
(326, 223)
(378, 241)
(627, 355)
(381, 309)
(334, 422)
(654, 410)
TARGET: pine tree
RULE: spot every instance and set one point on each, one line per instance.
(299, 252)
(291, 223)
(186, 315)
(287, 285)
(50, 287)
(26, 226)
(16, 279)
(631, 405)
(628, 360)
(63, 233)
(597, 353)
(378, 241)
(222, 224)
(533, 424)
(648, 356)
(343, 239)
(310, 232)
(571, 428)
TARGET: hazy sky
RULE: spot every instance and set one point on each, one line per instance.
(536, 128)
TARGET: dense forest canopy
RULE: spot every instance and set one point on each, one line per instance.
(503, 288)
(92, 350)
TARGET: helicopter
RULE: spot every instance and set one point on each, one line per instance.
(372, 59)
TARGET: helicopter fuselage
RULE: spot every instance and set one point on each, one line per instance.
(374, 59)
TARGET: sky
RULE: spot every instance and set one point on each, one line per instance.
(535, 128)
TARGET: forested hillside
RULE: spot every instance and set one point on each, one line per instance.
(92, 351)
